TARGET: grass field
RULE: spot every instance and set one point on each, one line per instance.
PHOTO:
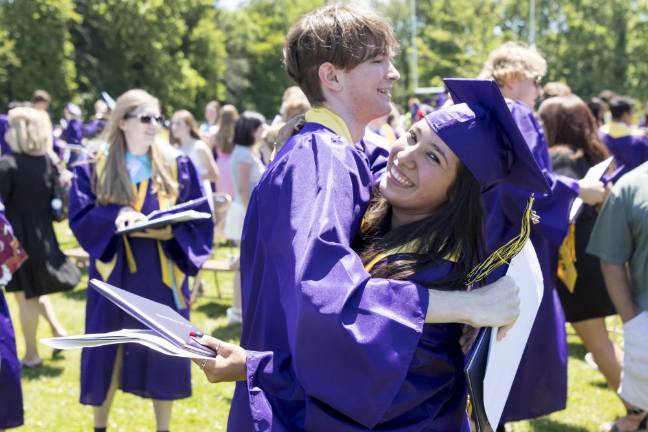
(51, 392)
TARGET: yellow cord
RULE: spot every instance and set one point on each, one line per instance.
(504, 254)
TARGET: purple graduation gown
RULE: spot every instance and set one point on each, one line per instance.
(73, 134)
(4, 145)
(11, 402)
(540, 385)
(329, 348)
(145, 372)
(628, 146)
(94, 127)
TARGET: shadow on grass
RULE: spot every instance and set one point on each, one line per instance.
(229, 333)
(212, 309)
(548, 425)
(600, 384)
(577, 351)
(41, 371)
(78, 294)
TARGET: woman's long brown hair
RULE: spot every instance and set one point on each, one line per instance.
(454, 231)
(568, 121)
(113, 185)
(226, 122)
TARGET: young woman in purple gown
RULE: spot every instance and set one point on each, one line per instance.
(132, 175)
(377, 366)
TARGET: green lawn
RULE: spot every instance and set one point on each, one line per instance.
(51, 392)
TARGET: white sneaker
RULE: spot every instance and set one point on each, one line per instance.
(589, 359)
(233, 316)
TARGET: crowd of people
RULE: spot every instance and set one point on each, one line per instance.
(375, 241)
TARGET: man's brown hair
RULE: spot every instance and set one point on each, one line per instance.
(342, 35)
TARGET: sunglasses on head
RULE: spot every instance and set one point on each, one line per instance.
(146, 119)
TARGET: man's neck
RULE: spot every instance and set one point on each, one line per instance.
(355, 125)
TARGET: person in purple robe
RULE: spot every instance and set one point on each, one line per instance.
(5, 148)
(540, 385)
(72, 132)
(132, 175)
(327, 347)
(11, 401)
(627, 143)
(98, 121)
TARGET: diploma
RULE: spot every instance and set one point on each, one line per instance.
(170, 333)
(167, 219)
(492, 365)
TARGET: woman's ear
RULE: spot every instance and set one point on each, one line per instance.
(328, 76)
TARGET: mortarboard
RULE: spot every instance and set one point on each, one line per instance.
(481, 131)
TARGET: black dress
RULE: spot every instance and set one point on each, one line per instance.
(27, 189)
(590, 298)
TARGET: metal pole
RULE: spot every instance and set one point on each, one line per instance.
(414, 65)
(532, 22)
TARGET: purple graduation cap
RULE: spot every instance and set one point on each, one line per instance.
(481, 131)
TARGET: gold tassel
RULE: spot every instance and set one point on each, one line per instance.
(566, 260)
(504, 254)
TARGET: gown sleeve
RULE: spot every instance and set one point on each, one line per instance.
(93, 225)
(377, 157)
(191, 244)
(348, 335)
(553, 208)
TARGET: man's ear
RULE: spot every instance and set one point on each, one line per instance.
(328, 76)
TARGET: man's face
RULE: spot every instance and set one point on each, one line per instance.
(367, 87)
(41, 105)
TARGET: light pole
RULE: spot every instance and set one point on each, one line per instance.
(532, 22)
(414, 60)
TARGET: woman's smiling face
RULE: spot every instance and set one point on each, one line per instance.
(420, 172)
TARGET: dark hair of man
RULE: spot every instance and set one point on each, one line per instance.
(40, 96)
(568, 121)
(245, 127)
(597, 107)
(621, 105)
(454, 231)
(342, 35)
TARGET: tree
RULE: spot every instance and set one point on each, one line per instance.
(172, 49)
(38, 49)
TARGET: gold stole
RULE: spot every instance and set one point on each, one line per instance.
(567, 260)
(172, 276)
(328, 118)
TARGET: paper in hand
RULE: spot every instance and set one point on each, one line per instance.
(169, 219)
(595, 173)
(148, 338)
(161, 319)
(504, 355)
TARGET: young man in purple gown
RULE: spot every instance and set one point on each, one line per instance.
(540, 386)
(324, 342)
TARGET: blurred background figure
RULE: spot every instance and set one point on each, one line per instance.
(209, 128)
(98, 121)
(27, 187)
(185, 135)
(597, 108)
(555, 88)
(575, 147)
(625, 141)
(246, 169)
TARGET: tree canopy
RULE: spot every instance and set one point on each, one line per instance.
(187, 52)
